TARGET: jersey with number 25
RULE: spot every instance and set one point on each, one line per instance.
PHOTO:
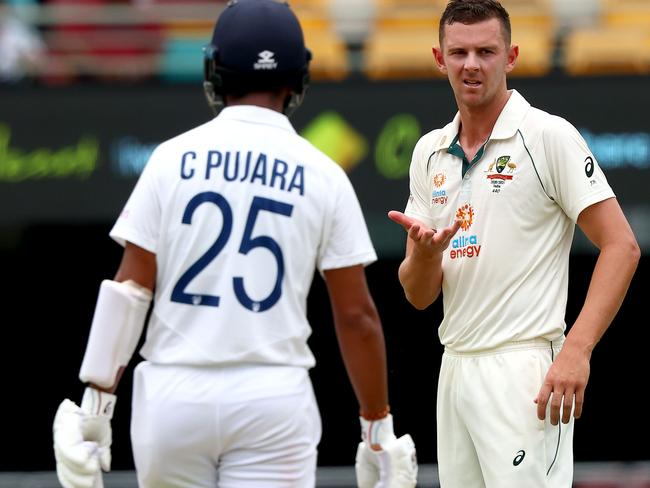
(240, 212)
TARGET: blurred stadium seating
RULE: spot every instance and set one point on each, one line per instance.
(400, 40)
(618, 43)
(382, 39)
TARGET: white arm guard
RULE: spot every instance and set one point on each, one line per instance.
(394, 466)
(116, 328)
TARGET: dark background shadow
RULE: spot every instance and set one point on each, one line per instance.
(50, 283)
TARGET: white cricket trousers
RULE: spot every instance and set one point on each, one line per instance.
(489, 435)
(241, 426)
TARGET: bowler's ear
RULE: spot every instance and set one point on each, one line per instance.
(440, 60)
(513, 54)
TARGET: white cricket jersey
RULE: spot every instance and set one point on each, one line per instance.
(505, 273)
(240, 211)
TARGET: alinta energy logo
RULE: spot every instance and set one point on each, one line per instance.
(499, 172)
(439, 194)
(466, 216)
(465, 246)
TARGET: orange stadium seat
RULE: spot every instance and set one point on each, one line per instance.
(628, 14)
(628, 18)
(393, 53)
(619, 44)
(404, 32)
(536, 50)
(400, 41)
(598, 51)
(330, 54)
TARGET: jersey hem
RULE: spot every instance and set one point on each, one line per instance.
(123, 235)
(362, 259)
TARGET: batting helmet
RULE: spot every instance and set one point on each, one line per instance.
(257, 45)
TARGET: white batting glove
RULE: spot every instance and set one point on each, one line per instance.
(394, 466)
(82, 439)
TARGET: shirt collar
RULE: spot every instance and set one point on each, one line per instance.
(256, 115)
(511, 117)
(449, 134)
(506, 126)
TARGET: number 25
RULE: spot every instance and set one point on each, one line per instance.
(248, 243)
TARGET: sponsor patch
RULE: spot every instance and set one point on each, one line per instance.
(465, 246)
(439, 194)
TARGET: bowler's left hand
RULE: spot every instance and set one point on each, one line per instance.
(564, 385)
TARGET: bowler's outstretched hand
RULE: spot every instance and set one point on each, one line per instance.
(426, 241)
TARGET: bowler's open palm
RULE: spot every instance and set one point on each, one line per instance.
(426, 241)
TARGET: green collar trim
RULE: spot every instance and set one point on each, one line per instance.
(456, 149)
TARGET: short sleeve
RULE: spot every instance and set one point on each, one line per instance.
(578, 181)
(346, 240)
(139, 221)
(418, 203)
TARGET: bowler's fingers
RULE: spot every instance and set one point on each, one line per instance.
(455, 227)
(567, 405)
(556, 406)
(580, 400)
(564, 401)
(401, 219)
(445, 235)
(421, 234)
(542, 400)
(416, 230)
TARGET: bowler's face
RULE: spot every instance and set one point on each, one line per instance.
(476, 59)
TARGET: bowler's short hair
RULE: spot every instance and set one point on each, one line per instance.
(473, 11)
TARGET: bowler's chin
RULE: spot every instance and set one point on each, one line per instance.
(473, 100)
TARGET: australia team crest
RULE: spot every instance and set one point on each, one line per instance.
(500, 172)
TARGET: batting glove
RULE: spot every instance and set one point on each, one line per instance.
(394, 466)
(82, 439)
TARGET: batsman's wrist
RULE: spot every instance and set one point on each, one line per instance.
(377, 415)
(97, 402)
(377, 432)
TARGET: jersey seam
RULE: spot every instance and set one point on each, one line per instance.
(559, 428)
(532, 160)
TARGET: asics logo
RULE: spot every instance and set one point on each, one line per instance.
(519, 458)
(266, 61)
